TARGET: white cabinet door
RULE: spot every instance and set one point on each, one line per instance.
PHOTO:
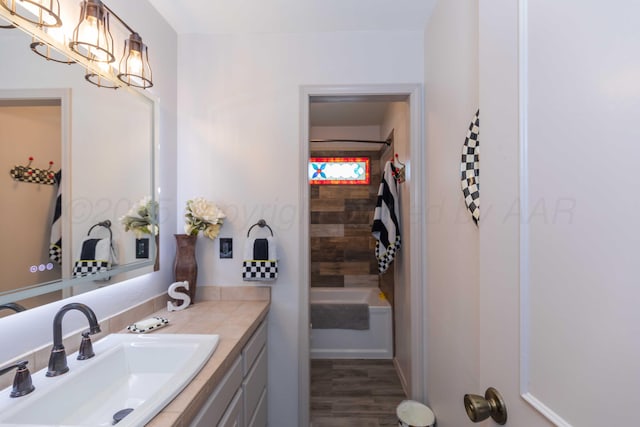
(214, 408)
(254, 385)
(260, 415)
(559, 236)
(233, 415)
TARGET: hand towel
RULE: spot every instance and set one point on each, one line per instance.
(386, 226)
(55, 241)
(97, 254)
(260, 259)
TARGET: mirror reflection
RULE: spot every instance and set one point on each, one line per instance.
(100, 142)
(29, 128)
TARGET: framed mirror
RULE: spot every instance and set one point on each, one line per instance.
(100, 141)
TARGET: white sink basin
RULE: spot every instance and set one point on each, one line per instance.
(142, 372)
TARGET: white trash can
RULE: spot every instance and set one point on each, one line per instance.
(414, 414)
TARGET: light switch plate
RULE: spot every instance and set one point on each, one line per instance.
(142, 248)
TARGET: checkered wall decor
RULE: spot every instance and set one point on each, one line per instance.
(33, 175)
(470, 169)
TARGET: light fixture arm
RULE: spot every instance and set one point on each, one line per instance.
(112, 13)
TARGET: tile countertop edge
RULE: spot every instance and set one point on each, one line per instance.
(235, 322)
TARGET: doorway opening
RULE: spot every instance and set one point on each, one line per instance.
(373, 122)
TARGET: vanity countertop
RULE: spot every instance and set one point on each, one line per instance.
(235, 322)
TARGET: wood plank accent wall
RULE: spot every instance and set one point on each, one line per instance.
(342, 248)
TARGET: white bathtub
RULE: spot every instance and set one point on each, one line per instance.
(374, 343)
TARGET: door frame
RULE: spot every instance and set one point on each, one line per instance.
(416, 171)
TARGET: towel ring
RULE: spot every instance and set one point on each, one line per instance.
(261, 223)
(106, 224)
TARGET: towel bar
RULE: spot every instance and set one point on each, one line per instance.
(261, 223)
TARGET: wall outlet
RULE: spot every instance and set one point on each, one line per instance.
(226, 247)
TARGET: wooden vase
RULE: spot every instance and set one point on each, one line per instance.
(185, 266)
(156, 264)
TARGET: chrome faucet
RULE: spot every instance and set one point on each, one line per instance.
(58, 358)
(13, 306)
(22, 383)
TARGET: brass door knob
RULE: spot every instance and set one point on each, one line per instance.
(491, 405)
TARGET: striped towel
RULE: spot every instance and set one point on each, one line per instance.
(55, 246)
(386, 228)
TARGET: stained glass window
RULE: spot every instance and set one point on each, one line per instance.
(339, 170)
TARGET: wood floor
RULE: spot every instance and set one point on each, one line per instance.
(354, 393)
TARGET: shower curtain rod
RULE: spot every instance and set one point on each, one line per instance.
(366, 141)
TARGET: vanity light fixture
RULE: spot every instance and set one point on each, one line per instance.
(46, 51)
(134, 64)
(99, 80)
(7, 26)
(92, 37)
(49, 53)
(92, 41)
(45, 13)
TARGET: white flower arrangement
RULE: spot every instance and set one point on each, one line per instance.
(142, 218)
(203, 215)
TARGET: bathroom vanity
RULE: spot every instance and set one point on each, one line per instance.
(230, 390)
(231, 387)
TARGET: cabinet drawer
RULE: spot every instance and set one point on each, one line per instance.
(260, 415)
(233, 416)
(254, 384)
(253, 347)
(214, 407)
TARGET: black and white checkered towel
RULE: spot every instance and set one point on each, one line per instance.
(260, 259)
(386, 225)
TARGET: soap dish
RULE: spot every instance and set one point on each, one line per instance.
(148, 325)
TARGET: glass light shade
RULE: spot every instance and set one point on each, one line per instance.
(92, 38)
(45, 13)
(134, 64)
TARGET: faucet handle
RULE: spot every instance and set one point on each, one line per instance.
(86, 348)
(22, 383)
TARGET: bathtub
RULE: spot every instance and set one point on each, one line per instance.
(374, 343)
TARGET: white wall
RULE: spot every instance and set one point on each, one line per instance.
(451, 100)
(239, 146)
(33, 328)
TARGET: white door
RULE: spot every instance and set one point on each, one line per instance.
(559, 233)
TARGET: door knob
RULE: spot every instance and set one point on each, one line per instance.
(491, 405)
